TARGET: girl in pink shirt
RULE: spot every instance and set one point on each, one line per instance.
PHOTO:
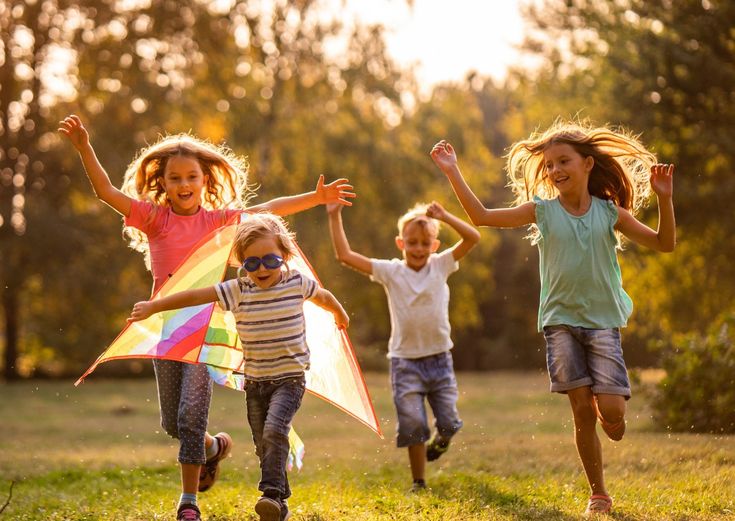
(174, 193)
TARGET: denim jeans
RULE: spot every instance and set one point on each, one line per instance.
(580, 357)
(271, 407)
(431, 378)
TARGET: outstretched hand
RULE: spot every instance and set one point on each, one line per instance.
(436, 211)
(444, 155)
(662, 179)
(335, 192)
(75, 132)
(141, 311)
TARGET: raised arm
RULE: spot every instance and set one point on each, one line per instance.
(182, 299)
(337, 192)
(445, 158)
(324, 299)
(341, 247)
(72, 128)
(469, 235)
(664, 239)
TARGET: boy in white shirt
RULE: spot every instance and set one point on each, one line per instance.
(418, 299)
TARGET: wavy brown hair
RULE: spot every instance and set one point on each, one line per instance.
(620, 173)
(226, 185)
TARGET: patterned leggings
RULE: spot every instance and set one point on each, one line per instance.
(184, 394)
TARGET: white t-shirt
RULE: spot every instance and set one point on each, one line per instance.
(418, 303)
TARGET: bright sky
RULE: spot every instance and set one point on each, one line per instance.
(447, 38)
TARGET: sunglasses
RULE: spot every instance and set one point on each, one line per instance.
(270, 261)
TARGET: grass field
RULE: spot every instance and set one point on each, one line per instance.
(97, 452)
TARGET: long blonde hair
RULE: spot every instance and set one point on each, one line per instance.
(226, 185)
(620, 173)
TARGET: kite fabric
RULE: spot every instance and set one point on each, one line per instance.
(206, 334)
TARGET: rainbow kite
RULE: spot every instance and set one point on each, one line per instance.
(206, 334)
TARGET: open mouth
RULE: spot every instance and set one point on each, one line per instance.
(185, 196)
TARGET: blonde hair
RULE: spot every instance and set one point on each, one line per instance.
(226, 185)
(620, 172)
(260, 226)
(418, 214)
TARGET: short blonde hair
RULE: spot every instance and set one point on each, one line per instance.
(418, 214)
(260, 226)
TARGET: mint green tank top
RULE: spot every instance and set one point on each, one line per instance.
(581, 283)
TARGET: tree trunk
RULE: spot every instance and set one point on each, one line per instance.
(11, 310)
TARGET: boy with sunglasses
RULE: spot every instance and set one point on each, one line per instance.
(267, 301)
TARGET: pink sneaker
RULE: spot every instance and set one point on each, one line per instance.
(598, 504)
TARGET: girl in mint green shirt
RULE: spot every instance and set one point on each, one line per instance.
(579, 187)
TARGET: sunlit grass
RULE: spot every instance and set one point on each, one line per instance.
(97, 452)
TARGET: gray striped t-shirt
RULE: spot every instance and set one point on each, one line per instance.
(270, 323)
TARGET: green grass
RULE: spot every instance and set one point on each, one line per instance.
(97, 452)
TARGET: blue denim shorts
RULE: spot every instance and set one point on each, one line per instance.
(581, 357)
(415, 379)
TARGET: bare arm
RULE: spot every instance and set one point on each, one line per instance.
(664, 239)
(338, 192)
(324, 299)
(446, 159)
(341, 246)
(73, 129)
(182, 299)
(469, 234)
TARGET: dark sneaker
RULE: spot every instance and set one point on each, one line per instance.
(436, 447)
(188, 512)
(285, 514)
(418, 487)
(209, 472)
(268, 509)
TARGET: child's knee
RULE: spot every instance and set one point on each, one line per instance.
(584, 412)
(612, 413)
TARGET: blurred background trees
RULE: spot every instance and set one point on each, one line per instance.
(289, 86)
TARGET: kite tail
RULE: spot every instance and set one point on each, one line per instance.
(296, 451)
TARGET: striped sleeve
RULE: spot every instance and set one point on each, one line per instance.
(308, 287)
(228, 294)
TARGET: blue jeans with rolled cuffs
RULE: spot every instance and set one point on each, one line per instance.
(580, 357)
(431, 378)
(271, 407)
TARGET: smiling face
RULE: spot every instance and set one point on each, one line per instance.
(566, 168)
(184, 182)
(263, 277)
(417, 241)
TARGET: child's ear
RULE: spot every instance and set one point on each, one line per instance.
(589, 162)
(399, 243)
(434, 245)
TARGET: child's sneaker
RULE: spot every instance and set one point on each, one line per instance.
(285, 513)
(598, 504)
(209, 472)
(418, 487)
(268, 509)
(188, 512)
(436, 447)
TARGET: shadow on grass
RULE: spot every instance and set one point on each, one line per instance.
(480, 489)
